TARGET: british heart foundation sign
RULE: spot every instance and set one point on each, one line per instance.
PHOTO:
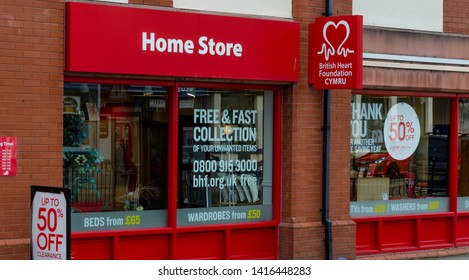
(336, 52)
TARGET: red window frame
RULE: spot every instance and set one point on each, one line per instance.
(173, 144)
(372, 237)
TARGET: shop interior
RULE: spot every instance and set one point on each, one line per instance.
(115, 147)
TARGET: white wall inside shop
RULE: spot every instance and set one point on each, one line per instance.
(407, 14)
(275, 8)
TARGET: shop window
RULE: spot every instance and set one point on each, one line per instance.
(225, 173)
(463, 179)
(115, 155)
(399, 155)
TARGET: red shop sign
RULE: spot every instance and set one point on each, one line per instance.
(128, 40)
(336, 52)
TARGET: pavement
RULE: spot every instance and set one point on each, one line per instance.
(458, 257)
(460, 253)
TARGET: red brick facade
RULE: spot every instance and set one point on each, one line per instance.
(301, 231)
(455, 18)
(31, 88)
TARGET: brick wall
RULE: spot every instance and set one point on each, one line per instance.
(301, 230)
(455, 19)
(31, 90)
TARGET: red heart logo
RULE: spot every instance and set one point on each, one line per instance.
(337, 36)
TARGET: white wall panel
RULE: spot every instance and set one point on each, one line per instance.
(275, 8)
(408, 14)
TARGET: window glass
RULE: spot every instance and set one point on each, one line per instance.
(225, 157)
(463, 182)
(115, 155)
(399, 155)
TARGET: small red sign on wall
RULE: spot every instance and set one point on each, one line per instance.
(336, 52)
(8, 156)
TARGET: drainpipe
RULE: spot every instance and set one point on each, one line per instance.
(326, 162)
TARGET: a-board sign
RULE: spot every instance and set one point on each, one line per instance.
(50, 223)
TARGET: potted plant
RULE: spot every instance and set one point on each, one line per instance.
(136, 200)
(80, 164)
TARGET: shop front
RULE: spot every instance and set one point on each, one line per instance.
(172, 128)
(408, 146)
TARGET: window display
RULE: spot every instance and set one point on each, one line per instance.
(115, 155)
(225, 157)
(399, 154)
(463, 155)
